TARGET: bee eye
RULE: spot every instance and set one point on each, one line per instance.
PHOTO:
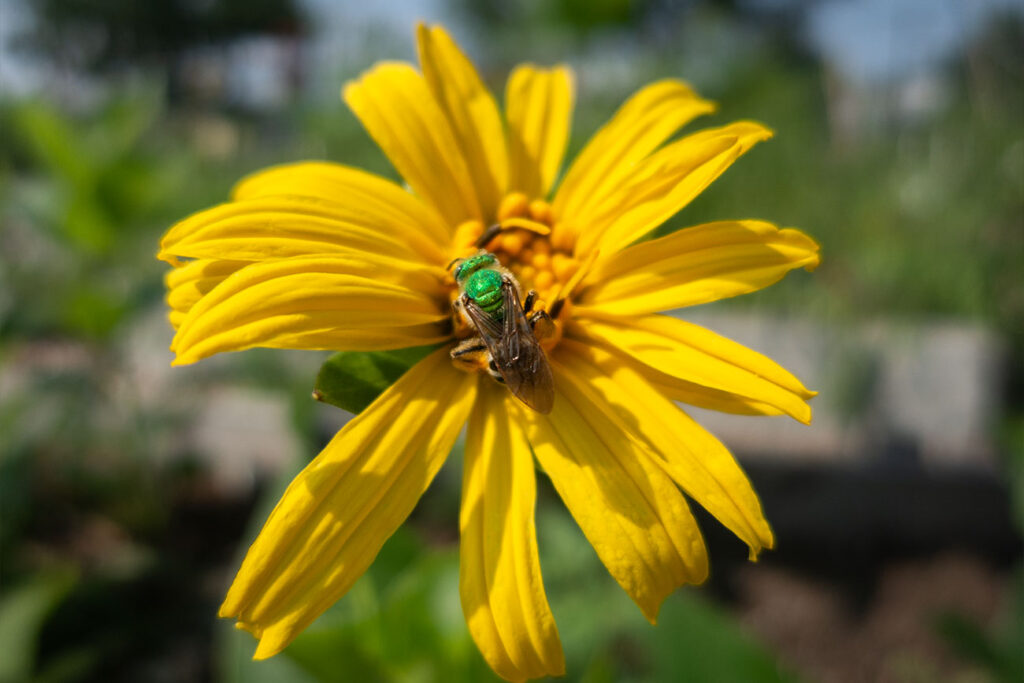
(457, 264)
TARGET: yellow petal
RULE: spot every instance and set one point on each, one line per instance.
(398, 110)
(702, 397)
(471, 111)
(695, 266)
(629, 510)
(697, 358)
(335, 516)
(538, 106)
(664, 183)
(499, 572)
(191, 281)
(694, 458)
(640, 126)
(363, 198)
(315, 303)
(276, 227)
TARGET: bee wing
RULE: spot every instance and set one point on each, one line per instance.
(515, 351)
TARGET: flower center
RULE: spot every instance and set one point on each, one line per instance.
(538, 264)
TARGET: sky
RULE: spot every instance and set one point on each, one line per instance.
(874, 41)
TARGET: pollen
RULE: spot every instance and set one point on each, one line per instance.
(513, 205)
(512, 244)
(540, 211)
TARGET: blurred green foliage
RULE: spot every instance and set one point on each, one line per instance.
(23, 611)
(997, 653)
(91, 189)
(103, 35)
(922, 220)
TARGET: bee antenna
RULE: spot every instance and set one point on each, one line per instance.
(488, 235)
(453, 262)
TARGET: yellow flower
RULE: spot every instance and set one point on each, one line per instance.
(323, 256)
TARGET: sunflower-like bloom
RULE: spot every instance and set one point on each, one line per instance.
(323, 256)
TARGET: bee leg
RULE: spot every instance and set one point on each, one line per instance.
(470, 355)
(531, 299)
(492, 370)
(541, 324)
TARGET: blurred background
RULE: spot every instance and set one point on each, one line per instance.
(129, 491)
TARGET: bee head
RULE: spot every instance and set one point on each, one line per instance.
(467, 266)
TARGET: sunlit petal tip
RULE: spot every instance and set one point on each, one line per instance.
(178, 361)
(226, 611)
(701, 105)
(813, 259)
(754, 131)
(767, 540)
(271, 642)
(349, 87)
(169, 258)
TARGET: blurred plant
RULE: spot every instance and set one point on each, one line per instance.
(78, 214)
(917, 217)
(98, 36)
(87, 477)
(996, 648)
(23, 611)
(578, 16)
(998, 652)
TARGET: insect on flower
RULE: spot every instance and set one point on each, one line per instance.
(507, 345)
(592, 372)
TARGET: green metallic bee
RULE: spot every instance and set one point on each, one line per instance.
(506, 346)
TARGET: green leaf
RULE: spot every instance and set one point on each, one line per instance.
(23, 611)
(51, 139)
(351, 380)
(969, 640)
(698, 641)
(410, 629)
